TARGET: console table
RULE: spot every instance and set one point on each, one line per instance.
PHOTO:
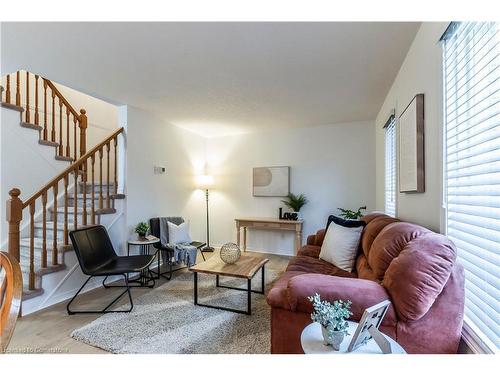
(268, 224)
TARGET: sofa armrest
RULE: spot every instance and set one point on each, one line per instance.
(316, 239)
(311, 239)
(362, 293)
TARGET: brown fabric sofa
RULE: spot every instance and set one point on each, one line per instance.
(410, 265)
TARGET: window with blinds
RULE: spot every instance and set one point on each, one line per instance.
(472, 168)
(390, 167)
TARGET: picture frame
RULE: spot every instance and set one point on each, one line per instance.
(411, 147)
(368, 327)
(271, 181)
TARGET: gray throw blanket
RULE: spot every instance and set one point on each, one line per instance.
(183, 252)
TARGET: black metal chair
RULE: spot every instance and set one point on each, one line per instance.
(97, 257)
(167, 252)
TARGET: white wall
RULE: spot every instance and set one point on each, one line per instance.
(421, 72)
(152, 141)
(333, 165)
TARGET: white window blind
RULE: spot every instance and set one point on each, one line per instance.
(472, 167)
(390, 167)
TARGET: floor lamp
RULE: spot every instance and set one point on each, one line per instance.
(206, 182)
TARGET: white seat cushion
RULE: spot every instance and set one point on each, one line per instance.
(340, 246)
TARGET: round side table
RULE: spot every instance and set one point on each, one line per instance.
(145, 278)
(312, 342)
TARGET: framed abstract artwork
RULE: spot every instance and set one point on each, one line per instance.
(271, 181)
(411, 147)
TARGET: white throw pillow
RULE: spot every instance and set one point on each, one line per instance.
(340, 246)
(178, 233)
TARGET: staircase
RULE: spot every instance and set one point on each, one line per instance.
(78, 196)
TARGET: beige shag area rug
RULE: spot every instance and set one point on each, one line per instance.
(165, 320)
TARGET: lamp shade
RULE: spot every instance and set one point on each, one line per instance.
(204, 182)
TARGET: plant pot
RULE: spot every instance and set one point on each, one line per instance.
(332, 338)
(141, 237)
(299, 216)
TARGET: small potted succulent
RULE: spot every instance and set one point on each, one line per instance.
(142, 229)
(350, 214)
(295, 203)
(332, 318)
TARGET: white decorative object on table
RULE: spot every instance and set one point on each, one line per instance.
(312, 342)
(230, 253)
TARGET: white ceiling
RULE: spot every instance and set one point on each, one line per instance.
(220, 78)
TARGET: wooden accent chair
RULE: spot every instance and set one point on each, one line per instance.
(11, 290)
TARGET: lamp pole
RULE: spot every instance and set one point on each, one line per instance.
(208, 247)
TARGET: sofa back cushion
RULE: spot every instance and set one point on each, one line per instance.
(416, 277)
(375, 222)
(390, 241)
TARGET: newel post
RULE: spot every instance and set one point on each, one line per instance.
(83, 132)
(14, 217)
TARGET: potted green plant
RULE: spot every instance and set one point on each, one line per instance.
(141, 229)
(295, 203)
(332, 318)
(350, 214)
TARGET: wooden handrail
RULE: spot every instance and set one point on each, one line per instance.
(60, 96)
(71, 168)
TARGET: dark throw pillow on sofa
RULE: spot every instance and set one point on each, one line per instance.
(345, 223)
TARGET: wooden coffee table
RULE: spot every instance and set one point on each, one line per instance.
(245, 268)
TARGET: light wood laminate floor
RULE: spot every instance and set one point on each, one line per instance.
(48, 330)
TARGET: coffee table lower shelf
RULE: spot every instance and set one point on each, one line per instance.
(248, 289)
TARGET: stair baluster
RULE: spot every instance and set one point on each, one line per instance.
(65, 210)
(74, 138)
(7, 90)
(84, 213)
(115, 186)
(100, 180)
(45, 131)
(60, 148)
(32, 246)
(108, 201)
(53, 132)
(37, 119)
(44, 229)
(54, 221)
(18, 89)
(92, 167)
(27, 109)
(67, 134)
(75, 203)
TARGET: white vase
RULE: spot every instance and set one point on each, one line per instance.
(332, 338)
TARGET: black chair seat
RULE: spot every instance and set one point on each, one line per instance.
(121, 265)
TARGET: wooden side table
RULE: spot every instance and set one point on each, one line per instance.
(312, 342)
(146, 277)
(268, 224)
